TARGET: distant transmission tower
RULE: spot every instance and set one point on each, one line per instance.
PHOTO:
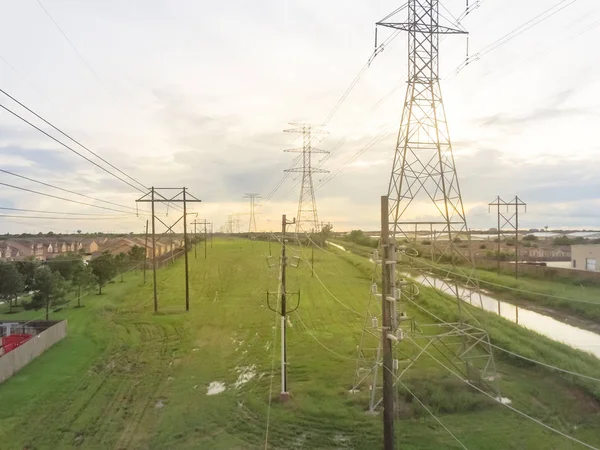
(252, 223)
(425, 202)
(307, 219)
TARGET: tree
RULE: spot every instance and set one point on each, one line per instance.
(83, 277)
(11, 283)
(530, 237)
(121, 262)
(65, 264)
(137, 253)
(104, 269)
(78, 231)
(49, 289)
(27, 268)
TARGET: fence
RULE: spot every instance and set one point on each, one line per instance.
(15, 360)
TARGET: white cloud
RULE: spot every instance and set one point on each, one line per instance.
(198, 95)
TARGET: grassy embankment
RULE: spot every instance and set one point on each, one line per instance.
(125, 378)
(563, 295)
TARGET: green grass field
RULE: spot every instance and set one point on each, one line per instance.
(125, 378)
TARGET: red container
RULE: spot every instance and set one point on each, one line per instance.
(13, 341)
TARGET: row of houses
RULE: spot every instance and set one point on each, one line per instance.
(45, 248)
(164, 245)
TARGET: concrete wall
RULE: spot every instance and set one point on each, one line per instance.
(580, 253)
(15, 360)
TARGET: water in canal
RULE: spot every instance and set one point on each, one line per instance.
(540, 323)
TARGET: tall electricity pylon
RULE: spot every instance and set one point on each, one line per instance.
(307, 219)
(423, 167)
(424, 197)
(252, 223)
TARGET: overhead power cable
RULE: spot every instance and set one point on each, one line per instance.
(524, 291)
(66, 190)
(63, 198)
(517, 355)
(333, 352)
(77, 52)
(67, 146)
(549, 366)
(497, 400)
(432, 414)
(55, 212)
(546, 14)
(378, 49)
(20, 216)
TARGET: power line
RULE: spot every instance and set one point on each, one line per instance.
(66, 190)
(333, 352)
(524, 291)
(70, 42)
(546, 14)
(62, 198)
(69, 137)
(271, 382)
(342, 99)
(431, 413)
(539, 422)
(517, 355)
(18, 216)
(51, 212)
(549, 366)
(68, 147)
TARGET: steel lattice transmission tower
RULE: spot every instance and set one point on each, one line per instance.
(307, 219)
(252, 222)
(423, 162)
(425, 202)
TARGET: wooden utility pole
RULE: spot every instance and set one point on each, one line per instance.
(195, 223)
(284, 308)
(154, 254)
(312, 260)
(388, 267)
(151, 197)
(284, 396)
(145, 250)
(205, 225)
(185, 249)
(205, 238)
(509, 220)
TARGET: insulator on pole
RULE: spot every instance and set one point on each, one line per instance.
(374, 288)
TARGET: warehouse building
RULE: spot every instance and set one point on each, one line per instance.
(585, 257)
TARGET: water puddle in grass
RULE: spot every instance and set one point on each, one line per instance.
(215, 387)
(245, 374)
(545, 325)
(336, 245)
(504, 400)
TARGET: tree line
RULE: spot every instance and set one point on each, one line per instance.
(49, 282)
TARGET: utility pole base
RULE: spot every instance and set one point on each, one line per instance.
(284, 397)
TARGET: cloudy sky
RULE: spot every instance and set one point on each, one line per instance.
(197, 94)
